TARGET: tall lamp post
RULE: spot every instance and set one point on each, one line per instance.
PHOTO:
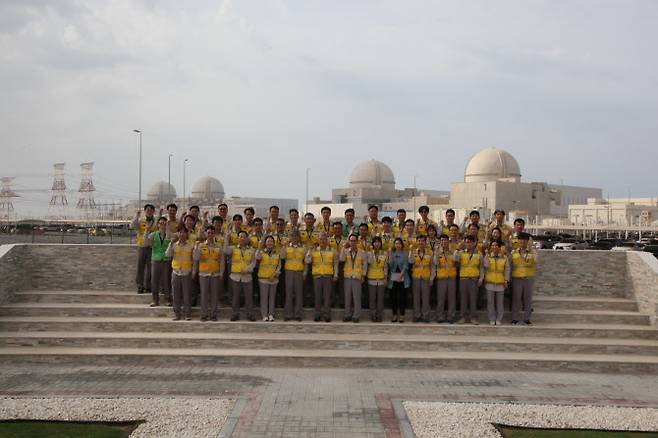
(308, 169)
(140, 165)
(169, 179)
(184, 193)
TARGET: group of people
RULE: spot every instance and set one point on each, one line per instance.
(192, 257)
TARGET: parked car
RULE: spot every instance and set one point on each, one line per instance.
(628, 246)
(545, 241)
(653, 249)
(571, 244)
(604, 244)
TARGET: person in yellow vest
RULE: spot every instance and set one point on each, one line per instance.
(217, 224)
(446, 281)
(473, 231)
(324, 269)
(377, 275)
(336, 241)
(209, 259)
(234, 230)
(519, 227)
(180, 250)
(172, 220)
(325, 223)
(364, 238)
(453, 237)
(270, 224)
(422, 275)
(387, 235)
(470, 265)
(160, 264)
(190, 224)
(308, 233)
(295, 274)
(293, 224)
(450, 220)
(243, 262)
(398, 225)
(256, 235)
(222, 211)
(374, 225)
(433, 241)
(248, 224)
(499, 221)
(496, 234)
(354, 271)
(280, 235)
(424, 221)
(523, 279)
(409, 235)
(350, 227)
(144, 226)
(495, 275)
(269, 268)
(198, 222)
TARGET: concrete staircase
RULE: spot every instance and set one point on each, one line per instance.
(112, 327)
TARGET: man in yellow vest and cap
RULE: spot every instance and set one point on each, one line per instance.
(470, 266)
(523, 279)
(144, 226)
(324, 269)
(495, 275)
(210, 265)
(295, 274)
(180, 250)
(354, 271)
(243, 262)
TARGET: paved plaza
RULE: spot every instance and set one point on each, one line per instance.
(289, 402)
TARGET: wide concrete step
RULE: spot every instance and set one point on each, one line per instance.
(304, 341)
(137, 310)
(139, 325)
(546, 302)
(628, 364)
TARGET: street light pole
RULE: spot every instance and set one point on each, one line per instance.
(169, 179)
(184, 194)
(140, 165)
(308, 169)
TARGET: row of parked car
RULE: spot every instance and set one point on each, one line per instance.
(569, 242)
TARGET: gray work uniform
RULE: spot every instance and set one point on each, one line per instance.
(446, 288)
(242, 282)
(495, 292)
(377, 287)
(210, 283)
(421, 288)
(468, 290)
(356, 265)
(294, 279)
(323, 284)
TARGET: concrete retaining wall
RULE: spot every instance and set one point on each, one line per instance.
(642, 281)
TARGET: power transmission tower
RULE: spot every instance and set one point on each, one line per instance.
(86, 200)
(6, 195)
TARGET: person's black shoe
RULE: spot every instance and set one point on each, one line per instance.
(416, 319)
(327, 319)
(298, 319)
(287, 319)
(426, 320)
(515, 322)
(347, 319)
(204, 319)
(176, 318)
(527, 322)
(140, 290)
(214, 318)
(441, 321)
(317, 318)
(235, 317)
(355, 319)
(252, 318)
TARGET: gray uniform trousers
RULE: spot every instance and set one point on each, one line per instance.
(322, 291)
(352, 295)
(248, 289)
(468, 297)
(421, 297)
(181, 286)
(495, 308)
(294, 294)
(143, 278)
(446, 291)
(522, 298)
(160, 279)
(267, 298)
(211, 288)
(376, 300)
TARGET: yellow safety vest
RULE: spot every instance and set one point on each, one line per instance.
(376, 269)
(354, 266)
(322, 261)
(421, 268)
(268, 264)
(182, 255)
(364, 244)
(209, 258)
(337, 245)
(309, 239)
(254, 240)
(469, 264)
(388, 241)
(445, 267)
(523, 267)
(233, 238)
(241, 259)
(280, 241)
(144, 229)
(295, 258)
(495, 272)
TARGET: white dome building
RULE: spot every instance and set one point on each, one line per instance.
(207, 188)
(161, 191)
(492, 164)
(372, 174)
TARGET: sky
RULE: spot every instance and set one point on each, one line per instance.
(255, 92)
